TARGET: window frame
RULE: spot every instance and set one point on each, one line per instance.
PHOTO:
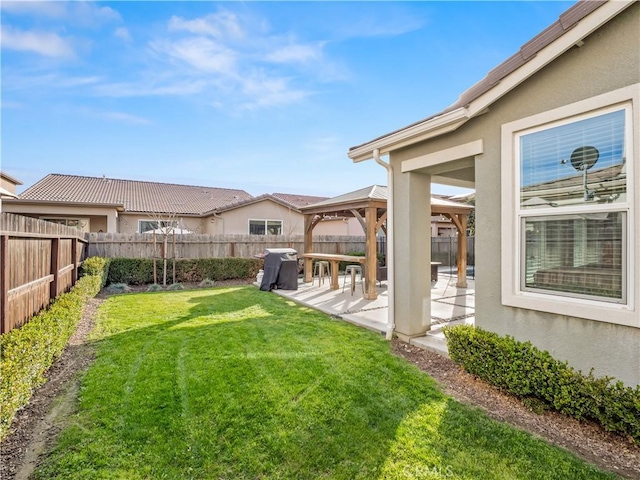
(174, 223)
(514, 215)
(265, 221)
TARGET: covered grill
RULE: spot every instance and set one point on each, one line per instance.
(280, 269)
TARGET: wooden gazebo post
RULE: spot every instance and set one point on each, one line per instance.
(460, 221)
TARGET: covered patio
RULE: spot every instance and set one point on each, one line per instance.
(369, 206)
(450, 305)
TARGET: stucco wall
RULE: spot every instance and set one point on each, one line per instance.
(608, 60)
(236, 221)
(97, 216)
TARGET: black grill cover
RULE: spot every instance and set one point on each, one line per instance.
(280, 269)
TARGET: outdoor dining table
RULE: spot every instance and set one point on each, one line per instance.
(334, 260)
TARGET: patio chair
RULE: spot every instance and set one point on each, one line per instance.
(321, 268)
(353, 271)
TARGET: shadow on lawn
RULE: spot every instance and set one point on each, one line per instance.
(242, 389)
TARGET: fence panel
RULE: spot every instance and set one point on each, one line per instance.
(38, 261)
(143, 245)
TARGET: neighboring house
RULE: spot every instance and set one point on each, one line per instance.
(100, 204)
(277, 214)
(96, 204)
(550, 142)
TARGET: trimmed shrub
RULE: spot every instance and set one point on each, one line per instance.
(206, 283)
(535, 376)
(132, 271)
(28, 352)
(96, 266)
(175, 286)
(138, 271)
(154, 287)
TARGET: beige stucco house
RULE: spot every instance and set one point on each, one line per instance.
(100, 204)
(549, 140)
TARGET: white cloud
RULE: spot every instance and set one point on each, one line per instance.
(125, 118)
(42, 9)
(146, 89)
(219, 25)
(269, 92)
(88, 14)
(200, 53)
(43, 43)
(50, 80)
(295, 53)
(122, 33)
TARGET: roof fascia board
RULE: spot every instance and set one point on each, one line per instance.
(452, 120)
(431, 128)
(18, 201)
(11, 179)
(458, 152)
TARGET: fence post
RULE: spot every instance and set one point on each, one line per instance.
(55, 247)
(74, 260)
(4, 283)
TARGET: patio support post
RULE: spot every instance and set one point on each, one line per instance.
(371, 217)
(308, 247)
(412, 216)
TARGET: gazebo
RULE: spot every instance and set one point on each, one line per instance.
(369, 206)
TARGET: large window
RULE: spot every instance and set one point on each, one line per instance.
(161, 226)
(570, 171)
(568, 210)
(265, 227)
(79, 223)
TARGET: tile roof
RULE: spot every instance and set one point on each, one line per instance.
(375, 192)
(133, 195)
(287, 200)
(379, 192)
(298, 201)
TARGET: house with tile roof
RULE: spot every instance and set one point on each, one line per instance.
(95, 204)
(550, 141)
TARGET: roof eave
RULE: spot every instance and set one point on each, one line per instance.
(429, 128)
(453, 118)
(18, 200)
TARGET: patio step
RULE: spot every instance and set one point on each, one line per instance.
(434, 342)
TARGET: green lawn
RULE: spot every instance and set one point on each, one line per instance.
(235, 383)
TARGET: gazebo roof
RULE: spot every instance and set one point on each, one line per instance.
(376, 195)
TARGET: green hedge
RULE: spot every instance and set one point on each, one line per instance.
(529, 373)
(138, 271)
(28, 352)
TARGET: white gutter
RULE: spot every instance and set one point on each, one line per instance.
(391, 325)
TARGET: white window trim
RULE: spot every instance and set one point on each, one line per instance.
(140, 220)
(265, 220)
(512, 293)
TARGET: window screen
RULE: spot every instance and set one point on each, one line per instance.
(576, 254)
(574, 163)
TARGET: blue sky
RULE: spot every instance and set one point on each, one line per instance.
(262, 96)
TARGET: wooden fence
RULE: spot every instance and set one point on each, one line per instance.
(143, 245)
(38, 261)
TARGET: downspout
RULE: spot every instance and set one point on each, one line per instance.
(391, 325)
(218, 217)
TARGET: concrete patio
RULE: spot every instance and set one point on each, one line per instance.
(449, 306)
